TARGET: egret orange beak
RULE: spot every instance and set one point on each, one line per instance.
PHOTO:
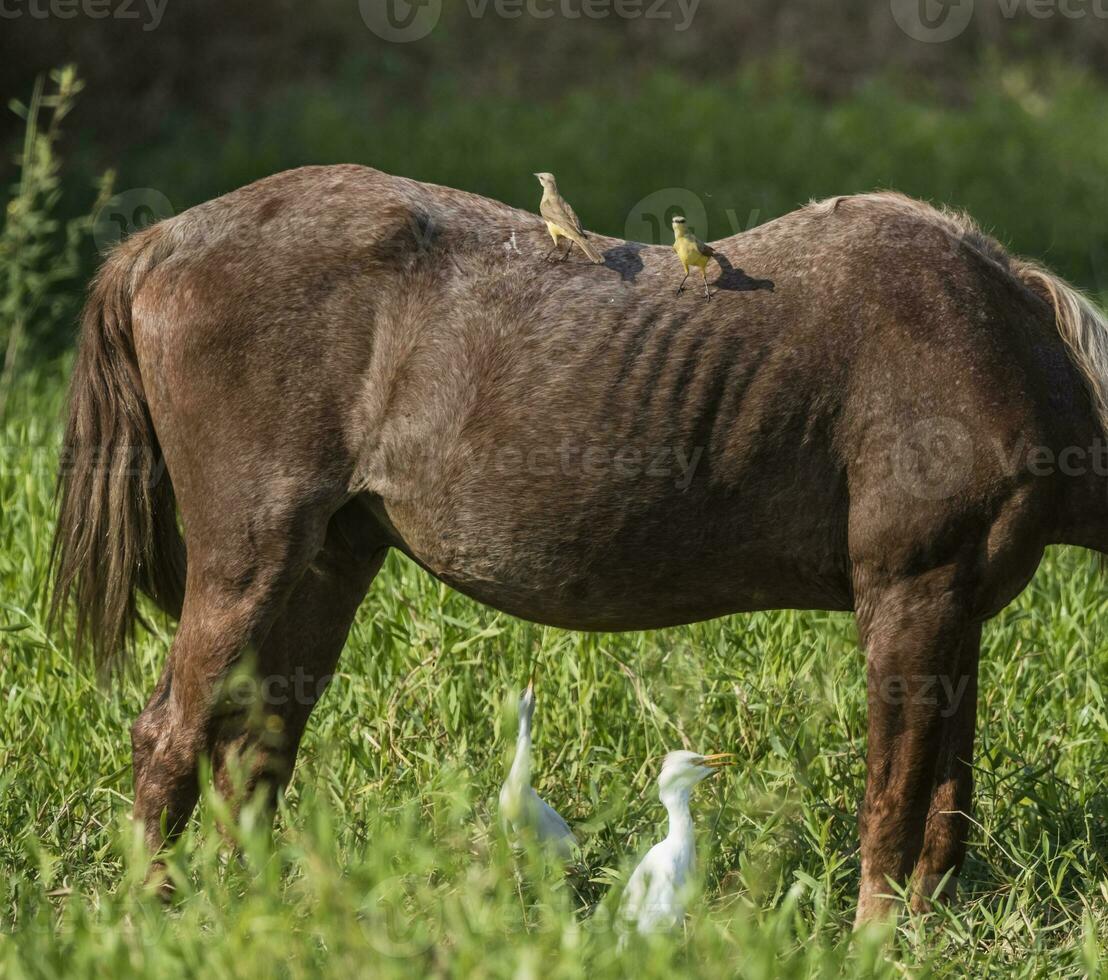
(719, 760)
(531, 682)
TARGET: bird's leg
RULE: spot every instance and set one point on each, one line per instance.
(568, 250)
(553, 249)
(707, 291)
(681, 288)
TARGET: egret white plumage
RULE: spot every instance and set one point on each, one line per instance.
(654, 899)
(520, 806)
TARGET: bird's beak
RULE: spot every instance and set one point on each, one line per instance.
(531, 682)
(719, 760)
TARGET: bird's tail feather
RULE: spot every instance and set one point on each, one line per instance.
(590, 250)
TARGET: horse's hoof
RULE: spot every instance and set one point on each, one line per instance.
(159, 882)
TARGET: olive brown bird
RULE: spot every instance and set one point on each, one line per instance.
(562, 221)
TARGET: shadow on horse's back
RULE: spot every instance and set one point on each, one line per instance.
(332, 362)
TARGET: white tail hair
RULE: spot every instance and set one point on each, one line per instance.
(1083, 326)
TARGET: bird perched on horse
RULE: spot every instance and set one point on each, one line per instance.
(693, 253)
(562, 221)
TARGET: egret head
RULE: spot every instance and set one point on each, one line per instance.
(547, 181)
(527, 703)
(683, 770)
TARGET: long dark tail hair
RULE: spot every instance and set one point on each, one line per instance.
(117, 526)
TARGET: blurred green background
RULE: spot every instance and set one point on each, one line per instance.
(754, 107)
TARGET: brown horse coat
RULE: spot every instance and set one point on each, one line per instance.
(333, 361)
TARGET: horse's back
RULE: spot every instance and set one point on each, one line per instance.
(573, 441)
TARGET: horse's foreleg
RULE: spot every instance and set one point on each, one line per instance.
(914, 632)
(256, 748)
(944, 843)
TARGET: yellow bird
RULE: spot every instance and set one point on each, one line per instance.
(562, 221)
(692, 252)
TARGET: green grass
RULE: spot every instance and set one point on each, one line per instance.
(387, 858)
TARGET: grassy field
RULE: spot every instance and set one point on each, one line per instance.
(388, 859)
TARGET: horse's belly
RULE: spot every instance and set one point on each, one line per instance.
(599, 572)
(599, 608)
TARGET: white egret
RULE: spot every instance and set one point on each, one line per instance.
(520, 806)
(654, 899)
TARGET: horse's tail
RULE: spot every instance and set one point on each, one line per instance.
(1083, 326)
(117, 527)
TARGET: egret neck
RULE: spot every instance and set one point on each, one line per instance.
(676, 801)
(520, 773)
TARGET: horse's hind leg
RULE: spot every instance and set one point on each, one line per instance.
(255, 747)
(944, 843)
(246, 555)
(914, 631)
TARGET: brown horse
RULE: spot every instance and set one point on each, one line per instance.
(888, 414)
